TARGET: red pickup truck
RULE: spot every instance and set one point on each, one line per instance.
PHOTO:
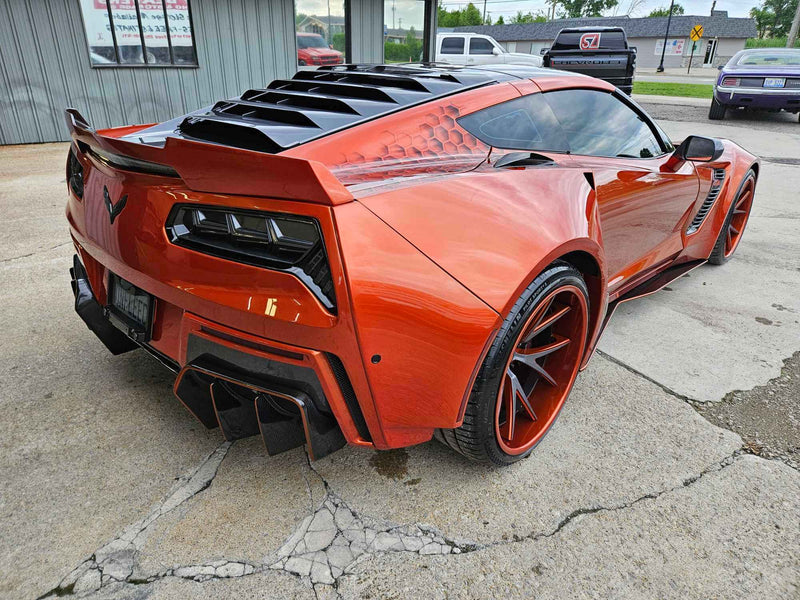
(312, 50)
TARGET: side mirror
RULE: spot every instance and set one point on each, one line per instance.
(700, 149)
(330, 46)
(543, 51)
(496, 51)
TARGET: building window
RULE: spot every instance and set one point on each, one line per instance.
(321, 32)
(139, 33)
(404, 30)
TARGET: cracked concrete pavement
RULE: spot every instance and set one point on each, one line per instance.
(647, 486)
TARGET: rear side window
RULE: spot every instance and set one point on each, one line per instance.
(453, 45)
(480, 46)
(525, 123)
(599, 124)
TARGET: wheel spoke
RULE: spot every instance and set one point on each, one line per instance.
(743, 198)
(543, 323)
(530, 361)
(734, 230)
(728, 241)
(560, 342)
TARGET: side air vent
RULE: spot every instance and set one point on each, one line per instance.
(349, 395)
(716, 186)
(316, 103)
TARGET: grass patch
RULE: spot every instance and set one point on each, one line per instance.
(690, 90)
(769, 43)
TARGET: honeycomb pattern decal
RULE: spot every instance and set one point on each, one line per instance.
(436, 136)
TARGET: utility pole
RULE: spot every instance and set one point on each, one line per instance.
(484, 12)
(795, 26)
(713, 6)
(330, 37)
(394, 9)
(660, 68)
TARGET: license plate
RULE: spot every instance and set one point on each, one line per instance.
(774, 82)
(132, 305)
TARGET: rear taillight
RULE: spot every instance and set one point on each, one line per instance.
(75, 174)
(273, 241)
(730, 81)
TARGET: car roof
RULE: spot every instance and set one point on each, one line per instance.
(314, 104)
(589, 28)
(462, 34)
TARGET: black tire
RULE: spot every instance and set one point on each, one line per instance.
(717, 110)
(476, 439)
(717, 256)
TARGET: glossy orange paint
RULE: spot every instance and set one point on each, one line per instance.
(429, 246)
(417, 319)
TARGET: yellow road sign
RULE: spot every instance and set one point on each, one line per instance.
(696, 33)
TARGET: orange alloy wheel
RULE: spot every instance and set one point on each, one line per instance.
(541, 369)
(738, 220)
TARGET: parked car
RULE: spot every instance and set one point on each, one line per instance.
(377, 254)
(312, 49)
(477, 49)
(601, 52)
(758, 79)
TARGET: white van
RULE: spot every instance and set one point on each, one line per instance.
(477, 49)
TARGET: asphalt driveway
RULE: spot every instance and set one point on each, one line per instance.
(672, 472)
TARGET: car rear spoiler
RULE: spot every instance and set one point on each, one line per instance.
(219, 169)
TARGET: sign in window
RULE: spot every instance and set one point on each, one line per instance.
(139, 32)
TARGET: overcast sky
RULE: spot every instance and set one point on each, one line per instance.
(411, 11)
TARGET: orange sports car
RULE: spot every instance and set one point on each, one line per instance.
(377, 255)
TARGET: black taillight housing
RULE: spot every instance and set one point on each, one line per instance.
(279, 242)
(75, 173)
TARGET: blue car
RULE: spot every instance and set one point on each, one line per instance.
(758, 79)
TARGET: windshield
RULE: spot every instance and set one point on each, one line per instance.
(779, 59)
(310, 41)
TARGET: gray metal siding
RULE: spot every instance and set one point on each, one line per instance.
(366, 18)
(44, 66)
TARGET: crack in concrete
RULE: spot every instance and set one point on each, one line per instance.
(34, 253)
(660, 385)
(327, 545)
(713, 468)
(703, 408)
(115, 561)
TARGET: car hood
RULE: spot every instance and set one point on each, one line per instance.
(521, 57)
(320, 51)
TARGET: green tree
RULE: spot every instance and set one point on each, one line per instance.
(529, 17)
(585, 8)
(500, 20)
(469, 15)
(774, 17)
(677, 9)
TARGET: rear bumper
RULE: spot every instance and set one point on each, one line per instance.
(759, 98)
(242, 383)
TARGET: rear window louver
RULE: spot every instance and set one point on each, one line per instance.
(316, 103)
(716, 187)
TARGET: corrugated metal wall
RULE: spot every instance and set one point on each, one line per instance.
(44, 66)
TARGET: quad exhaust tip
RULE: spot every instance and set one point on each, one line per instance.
(242, 406)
